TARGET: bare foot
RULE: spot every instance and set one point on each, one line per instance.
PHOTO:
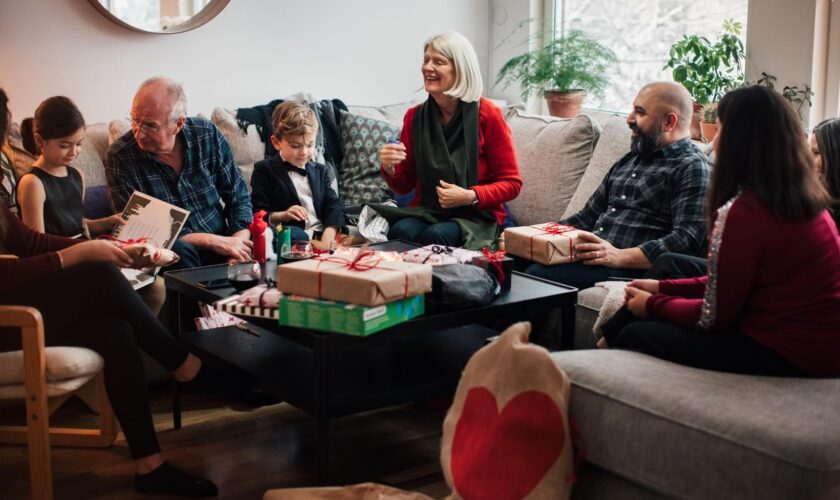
(602, 343)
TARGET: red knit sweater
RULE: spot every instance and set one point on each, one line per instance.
(36, 251)
(498, 171)
(777, 281)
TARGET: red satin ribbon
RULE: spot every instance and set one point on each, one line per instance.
(554, 228)
(364, 261)
(138, 241)
(495, 259)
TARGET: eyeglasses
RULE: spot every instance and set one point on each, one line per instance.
(148, 127)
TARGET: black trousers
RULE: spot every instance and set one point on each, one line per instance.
(727, 351)
(92, 305)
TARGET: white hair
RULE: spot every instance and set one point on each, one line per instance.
(176, 94)
(455, 46)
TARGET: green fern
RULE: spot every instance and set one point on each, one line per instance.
(573, 62)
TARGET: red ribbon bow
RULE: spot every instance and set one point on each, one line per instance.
(558, 229)
(132, 241)
(364, 261)
(495, 260)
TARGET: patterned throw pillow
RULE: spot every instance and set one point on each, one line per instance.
(361, 139)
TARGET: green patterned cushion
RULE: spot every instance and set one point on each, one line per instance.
(361, 139)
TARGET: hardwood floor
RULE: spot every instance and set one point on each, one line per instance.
(247, 450)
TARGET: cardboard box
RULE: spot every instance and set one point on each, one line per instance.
(340, 317)
(368, 281)
(547, 244)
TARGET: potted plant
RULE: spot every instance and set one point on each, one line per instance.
(563, 71)
(708, 121)
(708, 70)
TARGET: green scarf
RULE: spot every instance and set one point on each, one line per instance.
(450, 153)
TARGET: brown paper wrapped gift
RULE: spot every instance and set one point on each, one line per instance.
(368, 280)
(547, 244)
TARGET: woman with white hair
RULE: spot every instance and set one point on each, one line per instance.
(455, 152)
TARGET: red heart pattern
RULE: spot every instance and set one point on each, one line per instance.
(505, 456)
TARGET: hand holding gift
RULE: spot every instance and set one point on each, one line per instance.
(148, 254)
(548, 244)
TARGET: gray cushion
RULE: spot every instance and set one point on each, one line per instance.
(89, 161)
(361, 138)
(699, 434)
(612, 145)
(553, 154)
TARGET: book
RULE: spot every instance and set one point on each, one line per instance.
(153, 220)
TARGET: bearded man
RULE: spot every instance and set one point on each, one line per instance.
(651, 201)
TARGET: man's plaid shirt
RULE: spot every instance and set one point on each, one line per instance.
(210, 186)
(653, 202)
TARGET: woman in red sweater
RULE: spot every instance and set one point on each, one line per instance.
(86, 302)
(770, 303)
(455, 152)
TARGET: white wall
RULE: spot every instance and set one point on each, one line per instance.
(360, 51)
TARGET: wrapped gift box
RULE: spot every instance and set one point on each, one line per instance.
(498, 265)
(366, 280)
(547, 244)
(439, 254)
(351, 319)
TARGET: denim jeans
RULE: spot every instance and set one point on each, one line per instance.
(423, 233)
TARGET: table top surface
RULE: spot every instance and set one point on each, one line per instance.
(526, 293)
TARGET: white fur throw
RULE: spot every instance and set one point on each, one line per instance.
(612, 303)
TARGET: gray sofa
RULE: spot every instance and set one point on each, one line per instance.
(651, 429)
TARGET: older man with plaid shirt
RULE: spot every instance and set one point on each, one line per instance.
(185, 162)
(651, 201)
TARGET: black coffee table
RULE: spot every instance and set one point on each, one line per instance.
(332, 375)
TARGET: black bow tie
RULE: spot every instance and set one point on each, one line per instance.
(295, 170)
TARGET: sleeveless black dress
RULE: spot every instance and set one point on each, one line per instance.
(63, 205)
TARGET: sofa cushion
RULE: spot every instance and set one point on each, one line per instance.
(361, 139)
(97, 202)
(118, 128)
(67, 369)
(694, 433)
(612, 145)
(392, 113)
(246, 146)
(553, 154)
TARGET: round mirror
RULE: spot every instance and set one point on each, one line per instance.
(159, 16)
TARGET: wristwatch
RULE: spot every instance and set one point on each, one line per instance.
(475, 201)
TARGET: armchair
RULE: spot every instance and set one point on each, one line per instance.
(37, 373)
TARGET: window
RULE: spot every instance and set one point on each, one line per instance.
(641, 32)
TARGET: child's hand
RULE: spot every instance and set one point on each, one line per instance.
(115, 220)
(293, 213)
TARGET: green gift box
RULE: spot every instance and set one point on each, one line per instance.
(341, 317)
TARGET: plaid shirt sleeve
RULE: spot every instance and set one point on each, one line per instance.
(232, 187)
(689, 231)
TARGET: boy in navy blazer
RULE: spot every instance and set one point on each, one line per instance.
(294, 190)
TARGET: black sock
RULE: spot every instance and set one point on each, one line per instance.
(168, 479)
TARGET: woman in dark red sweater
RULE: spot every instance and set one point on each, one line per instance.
(455, 152)
(770, 303)
(86, 302)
